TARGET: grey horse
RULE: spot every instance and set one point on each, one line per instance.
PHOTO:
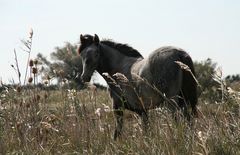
(139, 84)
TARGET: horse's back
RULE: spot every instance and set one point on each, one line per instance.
(162, 71)
(166, 55)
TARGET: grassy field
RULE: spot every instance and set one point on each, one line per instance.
(34, 121)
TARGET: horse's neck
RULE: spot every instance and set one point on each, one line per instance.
(114, 61)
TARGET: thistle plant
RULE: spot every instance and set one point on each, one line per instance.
(28, 49)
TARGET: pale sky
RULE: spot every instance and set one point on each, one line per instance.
(205, 29)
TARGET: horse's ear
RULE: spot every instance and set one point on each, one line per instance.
(96, 39)
(81, 38)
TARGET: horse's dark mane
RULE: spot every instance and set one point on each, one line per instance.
(123, 48)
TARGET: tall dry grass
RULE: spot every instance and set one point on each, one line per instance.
(75, 122)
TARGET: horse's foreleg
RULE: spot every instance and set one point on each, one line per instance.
(145, 121)
(119, 122)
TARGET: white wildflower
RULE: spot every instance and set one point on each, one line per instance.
(106, 108)
(98, 112)
(101, 128)
(72, 93)
(202, 136)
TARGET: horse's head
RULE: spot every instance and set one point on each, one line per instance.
(90, 54)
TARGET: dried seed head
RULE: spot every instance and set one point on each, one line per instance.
(34, 70)
(183, 66)
(112, 81)
(35, 61)
(48, 77)
(120, 77)
(18, 124)
(64, 80)
(61, 73)
(46, 125)
(30, 79)
(38, 97)
(46, 82)
(45, 96)
(31, 63)
(31, 33)
(18, 89)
